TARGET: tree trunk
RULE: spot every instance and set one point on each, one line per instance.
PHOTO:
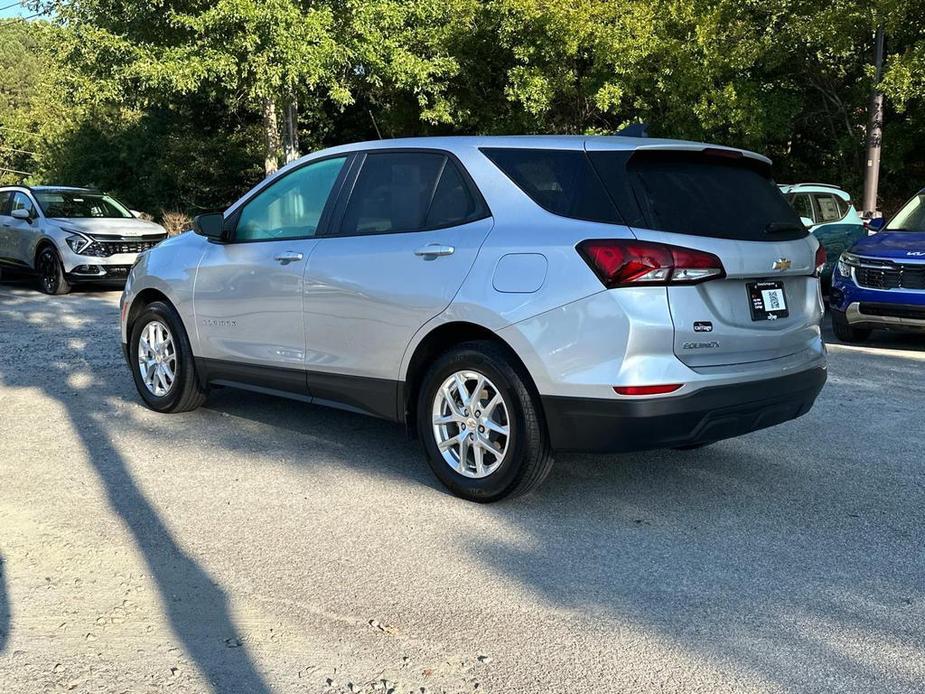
(874, 130)
(271, 141)
(291, 130)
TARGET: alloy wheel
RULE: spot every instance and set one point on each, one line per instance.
(48, 271)
(471, 424)
(157, 358)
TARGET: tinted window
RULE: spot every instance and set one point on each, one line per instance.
(829, 209)
(21, 201)
(4, 202)
(290, 207)
(698, 193)
(560, 181)
(453, 201)
(803, 206)
(392, 193)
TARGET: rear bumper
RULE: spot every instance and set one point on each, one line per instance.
(706, 415)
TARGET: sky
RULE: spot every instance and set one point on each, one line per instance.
(18, 11)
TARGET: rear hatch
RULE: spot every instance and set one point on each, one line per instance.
(722, 202)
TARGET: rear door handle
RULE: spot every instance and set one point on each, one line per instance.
(288, 257)
(434, 250)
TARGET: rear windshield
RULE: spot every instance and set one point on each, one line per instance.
(697, 193)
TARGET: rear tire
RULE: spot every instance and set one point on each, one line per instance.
(165, 344)
(486, 464)
(844, 332)
(51, 273)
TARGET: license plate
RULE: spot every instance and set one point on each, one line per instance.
(768, 301)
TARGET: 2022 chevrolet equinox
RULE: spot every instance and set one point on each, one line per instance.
(502, 297)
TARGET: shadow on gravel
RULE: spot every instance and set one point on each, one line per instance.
(792, 557)
(196, 607)
(4, 609)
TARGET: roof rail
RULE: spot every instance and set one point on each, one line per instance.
(813, 183)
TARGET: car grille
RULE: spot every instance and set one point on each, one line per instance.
(889, 275)
(105, 246)
(892, 310)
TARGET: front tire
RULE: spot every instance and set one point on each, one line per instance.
(51, 273)
(481, 425)
(844, 332)
(162, 361)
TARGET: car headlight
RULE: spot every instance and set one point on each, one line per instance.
(78, 243)
(846, 261)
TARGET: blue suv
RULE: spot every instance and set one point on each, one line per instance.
(879, 283)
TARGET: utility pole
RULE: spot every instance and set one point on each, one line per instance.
(874, 130)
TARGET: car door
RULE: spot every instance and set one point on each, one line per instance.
(6, 226)
(24, 234)
(399, 247)
(248, 290)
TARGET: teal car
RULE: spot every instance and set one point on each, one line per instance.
(831, 217)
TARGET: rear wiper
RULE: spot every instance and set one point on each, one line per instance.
(780, 227)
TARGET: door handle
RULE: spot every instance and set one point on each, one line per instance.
(288, 257)
(434, 250)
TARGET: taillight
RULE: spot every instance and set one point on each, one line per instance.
(627, 263)
(821, 257)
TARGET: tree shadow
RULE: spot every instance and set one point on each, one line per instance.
(196, 607)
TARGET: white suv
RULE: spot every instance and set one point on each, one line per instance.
(502, 297)
(68, 235)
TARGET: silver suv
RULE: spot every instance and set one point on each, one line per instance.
(502, 297)
(68, 235)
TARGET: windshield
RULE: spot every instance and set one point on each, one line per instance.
(74, 204)
(911, 217)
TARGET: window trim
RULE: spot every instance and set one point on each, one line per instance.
(231, 221)
(346, 192)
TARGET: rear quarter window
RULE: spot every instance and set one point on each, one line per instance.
(560, 181)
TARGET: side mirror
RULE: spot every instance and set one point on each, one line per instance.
(22, 214)
(807, 222)
(211, 225)
(876, 224)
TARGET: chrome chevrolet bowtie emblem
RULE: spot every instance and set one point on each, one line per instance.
(781, 264)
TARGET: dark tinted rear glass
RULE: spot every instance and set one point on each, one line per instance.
(698, 193)
(560, 181)
(392, 193)
(453, 202)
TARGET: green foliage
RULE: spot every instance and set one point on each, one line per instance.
(161, 100)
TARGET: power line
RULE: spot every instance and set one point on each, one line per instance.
(7, 7)
(14, 149)
(24, 173)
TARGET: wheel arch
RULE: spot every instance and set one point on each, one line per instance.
(41, 245)
(442, 338)
(142, 299)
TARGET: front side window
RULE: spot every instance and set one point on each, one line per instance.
(292, 206)
(393, 193)
(5, 202)
(21, 201)
(76, 204)
(803, 206)
(911, 217)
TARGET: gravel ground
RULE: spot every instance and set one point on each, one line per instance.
(265, 545)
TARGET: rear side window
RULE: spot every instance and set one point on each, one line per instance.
(829, 208)
(560, 181)
(698, 193)
(454, 202)
(393, 193)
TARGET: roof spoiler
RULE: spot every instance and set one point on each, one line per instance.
(635, 130)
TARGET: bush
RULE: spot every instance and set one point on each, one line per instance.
(176, 222)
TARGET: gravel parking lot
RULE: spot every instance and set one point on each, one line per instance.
(265, 545)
